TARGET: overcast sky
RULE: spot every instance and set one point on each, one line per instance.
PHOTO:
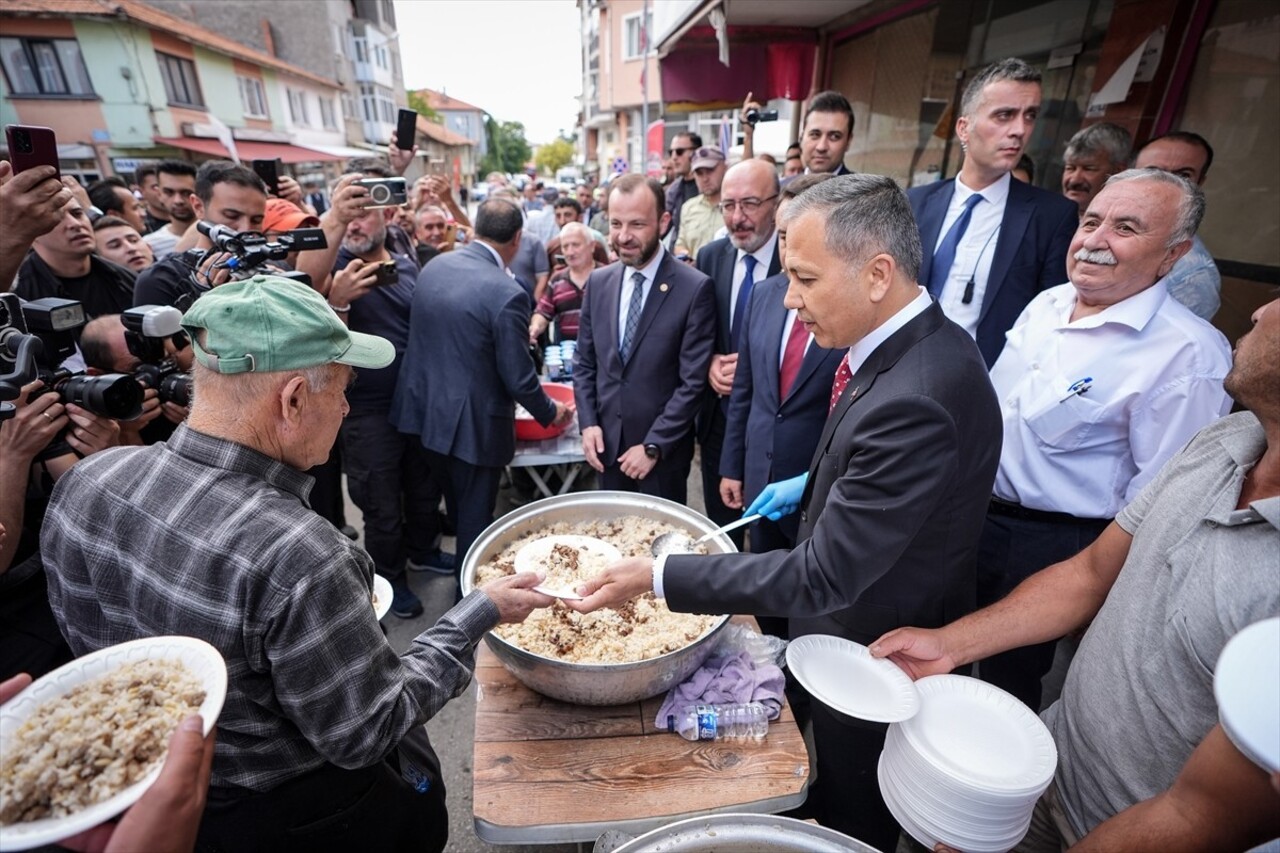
(519, 60)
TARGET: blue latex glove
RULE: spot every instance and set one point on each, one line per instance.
(779, 499)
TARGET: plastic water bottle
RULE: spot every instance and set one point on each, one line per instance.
(747, 722)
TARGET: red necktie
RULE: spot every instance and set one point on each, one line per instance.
(792, 356)
(843, 375)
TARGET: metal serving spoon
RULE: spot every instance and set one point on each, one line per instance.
(676, 542)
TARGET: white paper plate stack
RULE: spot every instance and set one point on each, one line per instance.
(968, 768)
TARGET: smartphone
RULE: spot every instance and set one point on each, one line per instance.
(406, 129)
(560, 261)
(269, 171)
(388, 274)
(31, 146)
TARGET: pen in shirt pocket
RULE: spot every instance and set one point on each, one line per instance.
(1078, 387)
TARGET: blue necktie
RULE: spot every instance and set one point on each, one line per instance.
(945, 256)
(744, 294)
(634, 307)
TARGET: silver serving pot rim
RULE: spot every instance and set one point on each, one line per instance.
(610, 503)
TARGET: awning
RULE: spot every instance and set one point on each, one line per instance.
(346, 152)
(771, 62)
(248, 150)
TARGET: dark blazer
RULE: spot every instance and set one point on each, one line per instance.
(653, 399)
(717, 260)
(768, 439)
(897, 493)
(468, 362)
(1030, 254)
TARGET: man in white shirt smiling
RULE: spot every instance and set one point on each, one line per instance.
(1102, 380)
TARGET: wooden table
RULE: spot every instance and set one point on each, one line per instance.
(547, 772)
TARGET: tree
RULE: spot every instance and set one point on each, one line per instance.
(419, 104)
(554, 155)
(508, 149)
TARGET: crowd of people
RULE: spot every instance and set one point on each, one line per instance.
(977, 416)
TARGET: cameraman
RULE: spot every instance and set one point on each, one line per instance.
(226, 194)
(106, 350)
(29, 637)
(387, 471)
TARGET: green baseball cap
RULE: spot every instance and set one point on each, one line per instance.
(267, 323)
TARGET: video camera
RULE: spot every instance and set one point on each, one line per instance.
(35, 339)
(146, 329)
(755, 116)
(251, 250)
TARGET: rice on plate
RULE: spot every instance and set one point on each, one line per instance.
(641, 629)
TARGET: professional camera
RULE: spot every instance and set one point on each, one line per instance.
(250, 251)
(385, 192)
(35, 339)
(146, 329)
(755, 116)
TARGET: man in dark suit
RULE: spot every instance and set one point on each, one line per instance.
(645, 337)
(896, 491)
(781, 393)
(468, 364)
(736, 264)
(827, 132)
(992, 243)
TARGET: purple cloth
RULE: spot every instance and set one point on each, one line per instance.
(726, 680)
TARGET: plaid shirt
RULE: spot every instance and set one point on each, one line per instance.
(207, 538)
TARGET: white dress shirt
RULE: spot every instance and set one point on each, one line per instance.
(764, 257)
(649, 271)
(1154, 374)
(974, 253)
(858, 355)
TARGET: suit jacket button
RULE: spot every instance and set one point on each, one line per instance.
(769, 455)
(779, 415)
(804, 515)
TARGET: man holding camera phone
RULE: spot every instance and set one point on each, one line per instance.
(227, 194)
(387, 471)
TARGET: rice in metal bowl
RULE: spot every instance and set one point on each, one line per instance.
(641, 629)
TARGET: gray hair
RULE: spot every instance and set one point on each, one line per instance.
(1110, 140)
(1013, 69)
(242, 390)
(865, 215)
(576, 228)
(1190, 205)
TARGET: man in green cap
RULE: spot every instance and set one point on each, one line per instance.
(320, 742)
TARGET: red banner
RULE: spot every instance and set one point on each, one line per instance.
(655, 137)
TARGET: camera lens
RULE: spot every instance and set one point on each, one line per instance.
(176, 388)
(381, 193)
(22, 140)
(753, 116)
(114, 395)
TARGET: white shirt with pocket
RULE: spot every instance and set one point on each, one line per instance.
(1151, 374)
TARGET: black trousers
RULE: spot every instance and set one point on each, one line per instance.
(1010, 551)
(329, 809)
(712, 442)
(846, 795)
(391, 481)
(669, 478)
(472, 492)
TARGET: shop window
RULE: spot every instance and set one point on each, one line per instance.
(1231, 102)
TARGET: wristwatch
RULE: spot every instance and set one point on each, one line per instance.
(652, 451)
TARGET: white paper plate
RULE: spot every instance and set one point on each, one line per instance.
(927, 833)
(982, 736)
(843, 675)
(1246, 683)
(382, 596)
(202, 659)
(532, 557)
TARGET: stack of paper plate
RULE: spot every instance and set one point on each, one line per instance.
(968, 768)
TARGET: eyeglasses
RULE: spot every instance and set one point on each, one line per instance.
(679, 152)
(748, 205)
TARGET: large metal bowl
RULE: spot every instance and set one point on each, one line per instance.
(744, 833)
(594, 684)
